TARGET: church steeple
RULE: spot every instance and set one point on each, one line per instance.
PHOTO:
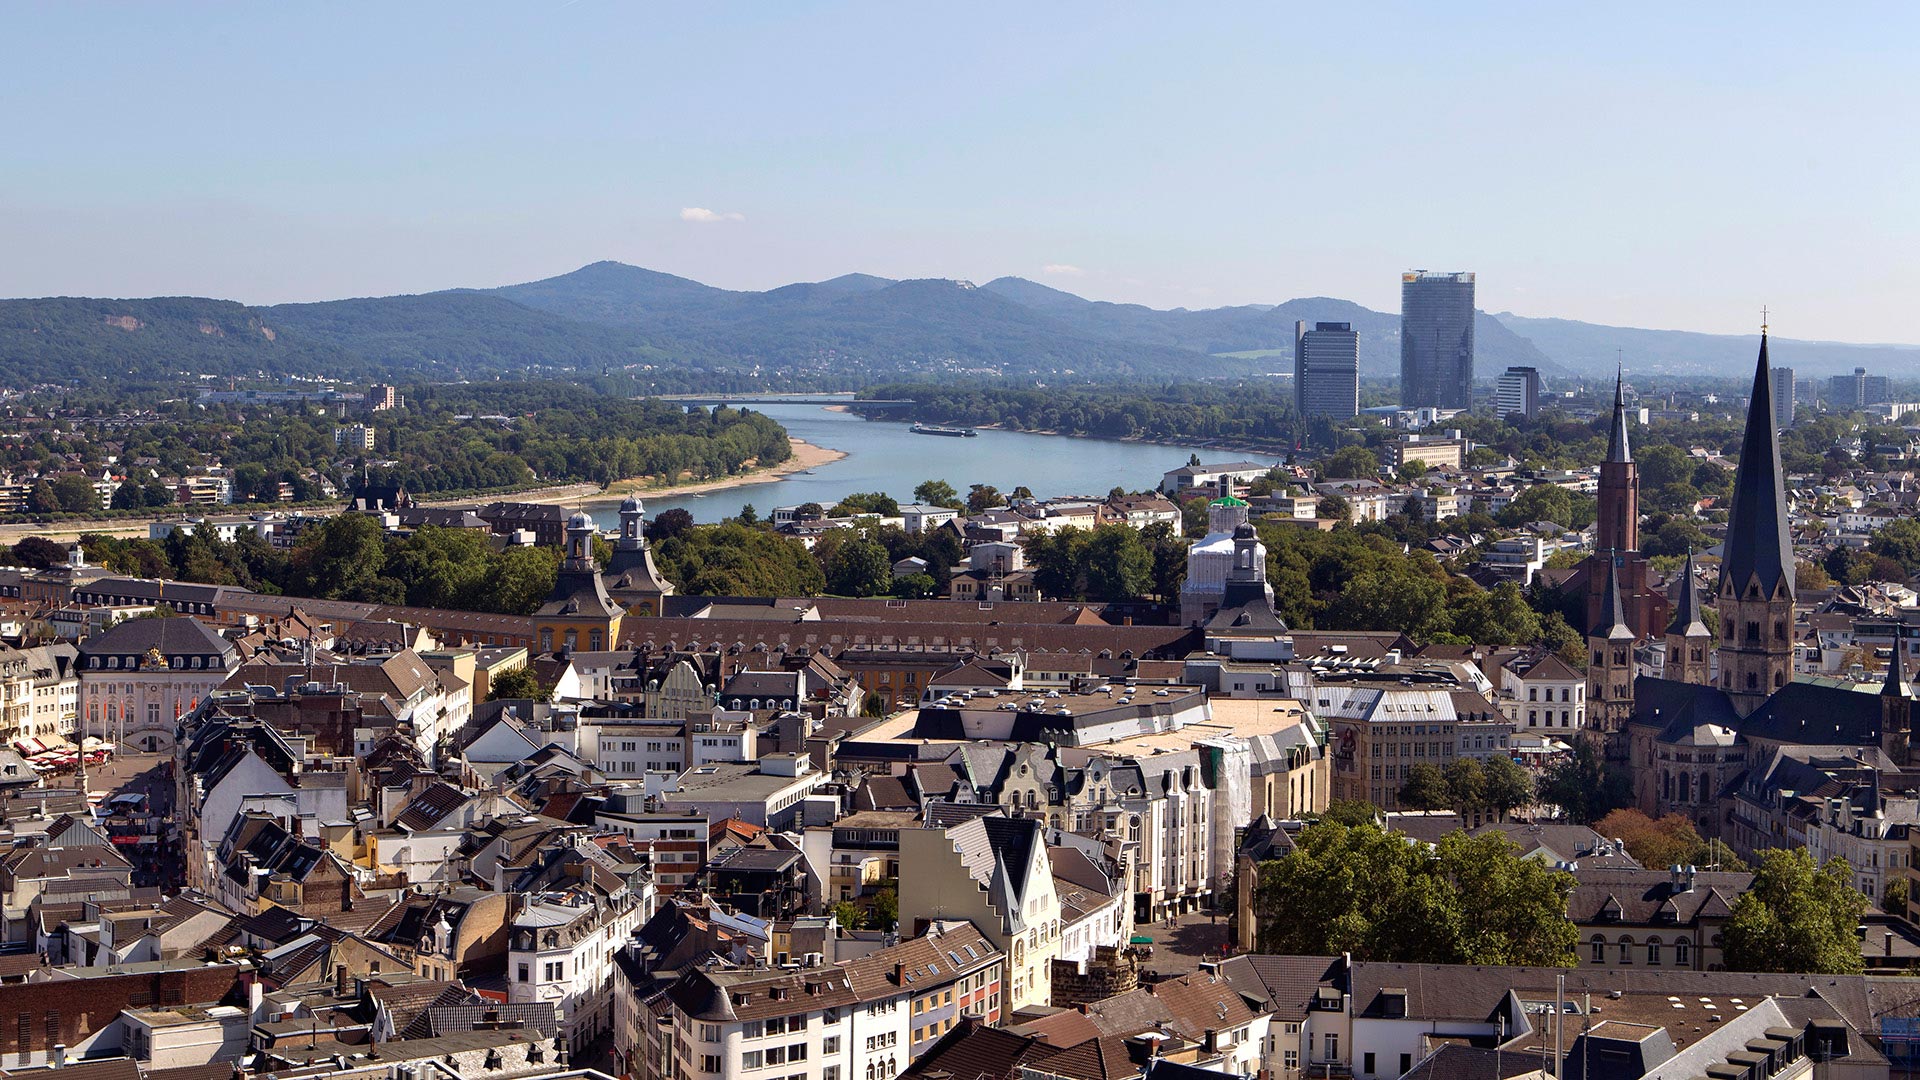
(1617, 627)
(1687, 635)
(1617, 527)
(1756, 573)
(1618, 448)
(1759, 549)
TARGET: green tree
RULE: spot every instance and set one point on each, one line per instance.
(1425, 788)
(1362, 890)
(885, 914)
(1351, 812)
(1350, 463)
(1893, 898)
(915, 587)
(42, 500)
(1118, 566)
(1796, 917)
(1466, 784)
(1898, 540)
(75, 494)
(1541, 502)
(1193, 516)
(748, 515)
(1582, 785)
(520, 684)
(1499, 616)
(846, 914)
(731, 559)
(876, 503)
(127, 497)
(1391, 599)
(984, 497)
(1807, 575)
(937, 493)
(344, 558)
(1508, 786)
(860, 567)
(1334, 507)
(38, 552)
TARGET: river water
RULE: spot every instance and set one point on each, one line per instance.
(882, 455)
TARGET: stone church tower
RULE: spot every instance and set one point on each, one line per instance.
(1755, 596)
(1688, 640)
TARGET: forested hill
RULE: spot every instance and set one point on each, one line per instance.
(667, 333)
(60, 338)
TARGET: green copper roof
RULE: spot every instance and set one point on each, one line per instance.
(1228, 501)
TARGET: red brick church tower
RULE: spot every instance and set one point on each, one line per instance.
(1616, 543)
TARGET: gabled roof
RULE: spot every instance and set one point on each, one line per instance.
(1812, 714)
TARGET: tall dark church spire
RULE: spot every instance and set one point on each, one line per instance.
(1617, 447)
(1759, 549)
(1756, 573)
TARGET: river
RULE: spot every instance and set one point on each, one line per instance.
(882, 455)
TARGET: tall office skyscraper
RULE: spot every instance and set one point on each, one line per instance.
(1783, 397)
(1436, 340)
(1518, 393)
(1326, 370)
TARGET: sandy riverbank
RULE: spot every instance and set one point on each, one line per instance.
(805, 456)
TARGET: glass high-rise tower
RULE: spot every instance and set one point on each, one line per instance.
(1436, 340)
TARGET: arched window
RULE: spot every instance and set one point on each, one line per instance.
(1653, 950)
(1666, 786)
(1626, 949)
(1599, 949)
(1683, 952)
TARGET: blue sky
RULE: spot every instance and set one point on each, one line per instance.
(1617, 163)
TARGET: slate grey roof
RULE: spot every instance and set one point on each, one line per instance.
(176, 636)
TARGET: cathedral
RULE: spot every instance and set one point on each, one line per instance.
(1689, 735)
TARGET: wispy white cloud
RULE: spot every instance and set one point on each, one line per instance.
(700, 215)
(1063, 270)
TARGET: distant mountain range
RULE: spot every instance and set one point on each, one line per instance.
(675, 332)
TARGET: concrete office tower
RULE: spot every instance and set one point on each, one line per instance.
(1436, 340)
(1518, 393)
(1783, 397)
(1326, 370)
(1858, 390)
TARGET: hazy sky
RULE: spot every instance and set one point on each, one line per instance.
(1621, 164)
